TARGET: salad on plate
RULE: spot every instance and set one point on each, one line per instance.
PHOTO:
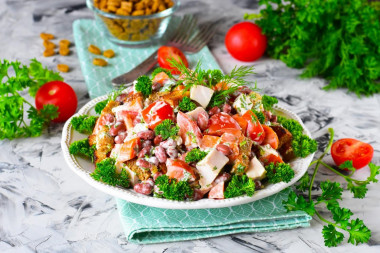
(201, 134)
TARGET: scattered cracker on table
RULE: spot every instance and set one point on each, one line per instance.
(64, 51)
(109, 53)
(64, 43)
(48, 44)
(63, 68)
(99, 62)
(46, 36)
(49, 52)
(94, 49)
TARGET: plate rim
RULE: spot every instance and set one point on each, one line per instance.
(131, 196)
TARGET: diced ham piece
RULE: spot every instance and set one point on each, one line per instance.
(217, 192)
(189, 131)
(126, 151)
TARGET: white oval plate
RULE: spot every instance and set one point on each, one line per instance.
(83, 168)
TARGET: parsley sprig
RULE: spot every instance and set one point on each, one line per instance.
(84, 123)
(170, 188)
(195, 155)
(186, 105)
(14, 122)
(331, 193)
(166, 129)
(106, 172)
(240, 185)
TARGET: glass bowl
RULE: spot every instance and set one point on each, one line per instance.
(133, 30)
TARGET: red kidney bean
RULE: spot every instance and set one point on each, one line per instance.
(153, 160)
(227, 108)
(258, 185)
(244, 89)
(121, 97)
(146, 135)
(156, 175)
(109, 118)
(149, 181)
(143, 163)
(143, 188)
(226, 150)
(120, 137)
(198, 194)
(157, 140)
(116, 128)
(143, 152)
(147, 143)
(170, 143)
(202, 120)
(273, 118)
(172, 152)
(157, 86)
(136, 120)
(214, 110)
(268, 115)
(160, 154)
(222, 178)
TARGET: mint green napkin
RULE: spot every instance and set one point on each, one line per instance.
(144, 224)
(98, 79)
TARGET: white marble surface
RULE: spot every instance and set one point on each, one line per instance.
(44, 207)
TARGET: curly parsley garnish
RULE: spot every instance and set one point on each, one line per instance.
(240, 185)
(82, 148)
(166, 129)
(268, 102)
(84, 123)
(186, 105)
(279, 172)
(105, 172)
(144, 85)
(159, 70)
(170, 188)
(195, 155)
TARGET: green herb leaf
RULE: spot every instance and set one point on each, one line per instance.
(166, 129)
(144, 85)
(268, 102)
(170, 188)
(279, 172)
(159, 70)
(100, 106)
(186, 105)
(195, 155)
(240, 185)
(82, 148)
(105, 171)
(84, 123)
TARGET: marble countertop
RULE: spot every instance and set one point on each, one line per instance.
(45, 207)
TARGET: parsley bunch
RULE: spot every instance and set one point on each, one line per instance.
(112, 96)
(13, 121)
(195, 155)
(144, 85)
(186, 105)
(279, 172)
(105, 172)
(332, 192)
(82, 148)
(240, 185)
(166, 129)
(337, 39)
(170, 188)
(84, 123)
(268, 102)
(302, 144)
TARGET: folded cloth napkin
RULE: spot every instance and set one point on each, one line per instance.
(98, 79)
(144, 224)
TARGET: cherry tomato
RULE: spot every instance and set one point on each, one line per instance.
(241, 121)
(347, 149)
(245, 41)
(222, 123)
(157, 112)
(165, 53)
(60, 94)
(255, 130)
(271, 137)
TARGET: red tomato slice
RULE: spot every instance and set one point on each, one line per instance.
(348, 149)
(157, 112)
(165, 53)
(255, 130)
(188, 130)
(222, 123)
(271, 158)
(160, 78)
(271, 137)
(180, 170)
(129, 150)
(241, 121)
